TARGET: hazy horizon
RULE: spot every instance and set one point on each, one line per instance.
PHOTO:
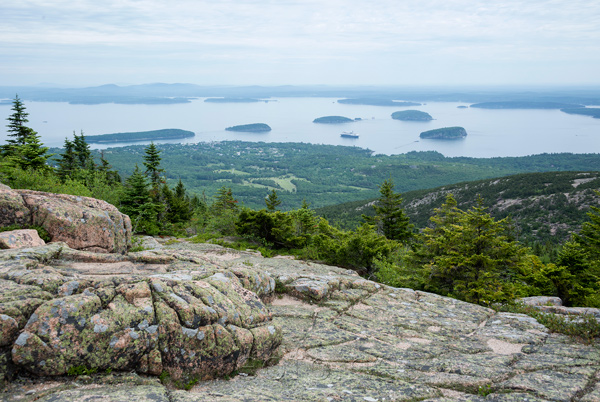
(301, 42)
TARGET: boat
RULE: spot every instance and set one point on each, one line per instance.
(349, 134)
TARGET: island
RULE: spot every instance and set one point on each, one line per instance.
(127, 100)
(525, 105)
(164, 134)
(251, 128)
(232, 100)
(332, 120)
(462, 107)
(411, 115)
(585, 111)
(444, 133)
(376, 102)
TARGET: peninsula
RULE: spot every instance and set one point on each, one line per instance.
(444, 133)
(164, 134)
(250, 128)
(376, 102)
(411, 115)
(584, 111)
(525, 105)
(232, 100)
(332, 120)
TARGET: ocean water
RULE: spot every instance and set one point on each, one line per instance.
(490, 132)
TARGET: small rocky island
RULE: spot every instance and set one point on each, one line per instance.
(444, 133)
(412, 115)
(251, 128)
(164, 134)
(332, 120)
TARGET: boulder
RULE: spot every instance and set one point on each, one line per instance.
(83, 223)
(20, 239)
(13, 210)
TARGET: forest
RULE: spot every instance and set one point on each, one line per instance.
(462, 252)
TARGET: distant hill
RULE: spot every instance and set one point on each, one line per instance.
(543, 206)
(376, 102)
(164, 134)
(444, 133)
(411, 115)
(525, 105)
(332, 120)
(251, 128)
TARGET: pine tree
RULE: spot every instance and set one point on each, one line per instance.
(31, 154)
(67, 162)
(180, 209)
(390, 219)
(81, 149)
(152, 163)
(469, 255)
(112, 176)
(17, 130)
(272, 201)
(137, 203)
(224, 200)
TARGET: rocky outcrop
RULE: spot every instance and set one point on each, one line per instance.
(109, 315)
(20, 239)
(83, 223)
(340, 337)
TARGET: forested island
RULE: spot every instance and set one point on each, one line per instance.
(332, 120)
(250, 128)
(126, 100)
(444, 133)
(525, 105)
(164, 134)
(584, 111)
(376, 102)
(411, 115)
(232, 100)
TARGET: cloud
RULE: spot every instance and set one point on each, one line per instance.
(280, 32)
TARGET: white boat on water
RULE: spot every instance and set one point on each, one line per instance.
(349, 134)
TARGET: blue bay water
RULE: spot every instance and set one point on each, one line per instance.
(490, 132)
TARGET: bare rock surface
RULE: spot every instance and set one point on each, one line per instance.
(83, 223)
(20, 238)
(200, 311)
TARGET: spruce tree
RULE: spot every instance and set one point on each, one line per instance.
(67, 162)
(469, 255)
(17, 130)
(272, 201)
(390, 219)
(81, 149)
(152, 163)
(224, 200)
(31, 154)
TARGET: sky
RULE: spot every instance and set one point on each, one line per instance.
(300, 42)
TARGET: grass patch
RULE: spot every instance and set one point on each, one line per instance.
(583, 328)
(81, 370)
(232, 171)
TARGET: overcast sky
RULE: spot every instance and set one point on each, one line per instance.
(275, 42)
